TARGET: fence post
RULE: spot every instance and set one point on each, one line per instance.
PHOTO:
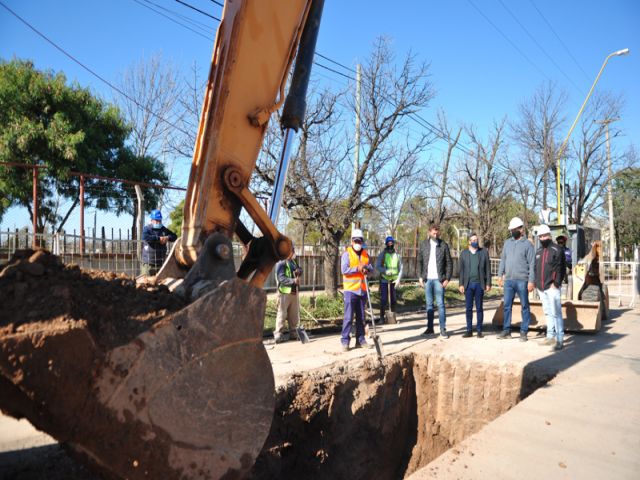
(34, 241)
(81, 214)
(139, 221)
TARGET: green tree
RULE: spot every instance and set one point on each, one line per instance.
(626, 207)
(64, 128)
(177, 218)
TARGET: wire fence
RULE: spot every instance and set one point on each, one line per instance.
(119, 253)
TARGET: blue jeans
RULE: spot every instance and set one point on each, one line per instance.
(387, 289)
(353, 306)
(552, 307)
(433, 288)
(473, 292)
(511, 287)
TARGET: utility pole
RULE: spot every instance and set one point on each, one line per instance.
(356, 157)
(612, 238)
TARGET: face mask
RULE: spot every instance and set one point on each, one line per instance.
(157, 226)
(357, 247)
(516, 234)
(389, 247)
(474, 244)
(546, 243)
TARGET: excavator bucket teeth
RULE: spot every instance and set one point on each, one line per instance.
(192, 397)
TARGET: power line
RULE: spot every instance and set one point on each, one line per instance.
(92, 72)
(560, 40)
(414, 116)
(207, 28)
(197, 10)
(217, 3)
(508, 40)
(539, 46)
(336, 63)
(172, 19)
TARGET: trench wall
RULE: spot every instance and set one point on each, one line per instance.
(364, 420)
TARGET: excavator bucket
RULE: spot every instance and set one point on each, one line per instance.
(192, 396)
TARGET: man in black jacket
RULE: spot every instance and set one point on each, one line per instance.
(155, 237)
(549, 272)
(435, 268)
(475, 279)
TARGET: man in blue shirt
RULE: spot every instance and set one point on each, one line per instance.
(155, 237)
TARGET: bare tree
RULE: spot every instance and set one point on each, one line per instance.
(189, 109)
(587, 164)
(152, 90)
(440, 180)
(323, 182)
(481, 185)
(395, 202)
(536, 133)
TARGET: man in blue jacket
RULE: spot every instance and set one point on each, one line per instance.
(155, 237)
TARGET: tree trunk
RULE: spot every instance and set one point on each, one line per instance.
(331, 255)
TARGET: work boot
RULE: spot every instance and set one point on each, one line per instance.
(547, 342)
(523, 336)
(444, 334)
(480, 335)
(558, 346)
(428, 331)
(467, 334)
(364, 344)
(505, 335)
(345, 347)
(281, 338)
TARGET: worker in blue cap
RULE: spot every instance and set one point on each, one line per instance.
(389, 264)
(155, 237)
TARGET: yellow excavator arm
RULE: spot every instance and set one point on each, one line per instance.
(255, 47)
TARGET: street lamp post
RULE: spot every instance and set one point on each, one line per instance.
(560, 208)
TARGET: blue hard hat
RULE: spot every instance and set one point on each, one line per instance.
(389, 239)
(156, 215)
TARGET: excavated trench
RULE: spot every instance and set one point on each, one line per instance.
(386, 421)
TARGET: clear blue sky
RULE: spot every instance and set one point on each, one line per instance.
(484, 61)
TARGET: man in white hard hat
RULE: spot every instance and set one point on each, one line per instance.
(516, 273)
(355, 265)
(549, 272)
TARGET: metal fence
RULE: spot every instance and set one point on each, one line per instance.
(622, 282)
(119, 255)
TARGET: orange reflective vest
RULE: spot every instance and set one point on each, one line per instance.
(354, 282)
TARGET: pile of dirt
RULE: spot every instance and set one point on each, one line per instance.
(39, 293)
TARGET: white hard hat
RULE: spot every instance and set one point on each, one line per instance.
(356, 233)
(515, 222)
(543, 230)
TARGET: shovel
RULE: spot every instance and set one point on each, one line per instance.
(376, 340)
(302, 333)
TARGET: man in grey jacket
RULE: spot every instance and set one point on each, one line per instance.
(517, 274)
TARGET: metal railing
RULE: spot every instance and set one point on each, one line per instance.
(622, 282)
